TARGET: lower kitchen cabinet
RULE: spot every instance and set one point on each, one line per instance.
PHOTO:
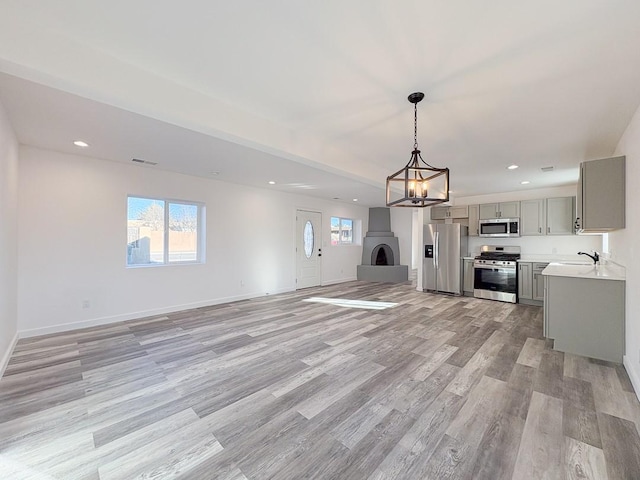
(585, 316)
(468, 277)
(537, 282)
(531, 283)
(525, 290)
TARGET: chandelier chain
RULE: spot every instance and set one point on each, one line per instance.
(415, 126)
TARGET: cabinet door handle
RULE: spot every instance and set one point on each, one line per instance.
(539, 229)
(548, 229)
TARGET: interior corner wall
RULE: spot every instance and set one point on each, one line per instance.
(402, 227)
(8, 238)
(72, 233)
(624, 247)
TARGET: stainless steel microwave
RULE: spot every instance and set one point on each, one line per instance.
(499, 227)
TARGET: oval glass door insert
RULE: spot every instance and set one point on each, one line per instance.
(308, 239)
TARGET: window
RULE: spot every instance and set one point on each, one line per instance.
(161, 232)
(341, 231)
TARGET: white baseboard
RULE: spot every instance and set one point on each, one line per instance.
(7, 355)
(633, 373)
(94, 322)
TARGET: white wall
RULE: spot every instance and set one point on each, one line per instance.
(401, 226)
(8, 238)
(624, 247)
(72, 231)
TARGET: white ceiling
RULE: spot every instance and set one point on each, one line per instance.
(313, 94)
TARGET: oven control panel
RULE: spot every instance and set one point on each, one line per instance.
(498, 263)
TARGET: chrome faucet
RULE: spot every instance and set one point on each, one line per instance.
(595, 257)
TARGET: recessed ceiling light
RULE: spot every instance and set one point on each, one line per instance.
(271, 182)
(355, 199)
(512, 167)
(80, 143)
(525, 182)
(214, 173)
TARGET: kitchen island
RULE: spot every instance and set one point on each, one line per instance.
(584, 309)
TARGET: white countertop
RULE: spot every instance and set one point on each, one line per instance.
(596, 272)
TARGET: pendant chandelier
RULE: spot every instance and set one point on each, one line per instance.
(422, 185)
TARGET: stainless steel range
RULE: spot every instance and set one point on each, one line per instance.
(495, 274)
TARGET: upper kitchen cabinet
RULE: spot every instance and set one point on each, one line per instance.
(442, 213)
(533, 219)
(473, 220)
(551, 216)
(500, 210)
(560, 215)
(601, 191)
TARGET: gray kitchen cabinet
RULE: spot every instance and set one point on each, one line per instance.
(531, 283)
(499, 210)
(468, 277)
(473, 220)
(537, 281)
(551, 216)
(560, 215)
(525, 288)
(439, 213)
(442, 213)
(600, 205)
(459, 211)
(585, 316)
(533, 219)
(488, 210)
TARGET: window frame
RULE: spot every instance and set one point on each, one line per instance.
(353, 228)
(200, 232)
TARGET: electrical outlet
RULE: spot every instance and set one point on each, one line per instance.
(242, 283)
(86, 304)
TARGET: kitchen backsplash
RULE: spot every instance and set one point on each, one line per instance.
(542, 245)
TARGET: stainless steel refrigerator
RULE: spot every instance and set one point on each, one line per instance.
(444, 246)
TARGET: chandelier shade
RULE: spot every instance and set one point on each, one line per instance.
(418, 184)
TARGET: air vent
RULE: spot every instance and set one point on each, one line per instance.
(147, 162)
(547, 169)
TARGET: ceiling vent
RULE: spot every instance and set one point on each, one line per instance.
(147, 162)
(547, 169)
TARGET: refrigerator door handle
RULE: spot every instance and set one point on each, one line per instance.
(436, 249)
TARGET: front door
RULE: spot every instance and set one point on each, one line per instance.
(308, 248)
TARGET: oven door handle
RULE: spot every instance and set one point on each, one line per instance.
(500, 268)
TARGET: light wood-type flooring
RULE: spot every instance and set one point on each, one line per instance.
(436, 387)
